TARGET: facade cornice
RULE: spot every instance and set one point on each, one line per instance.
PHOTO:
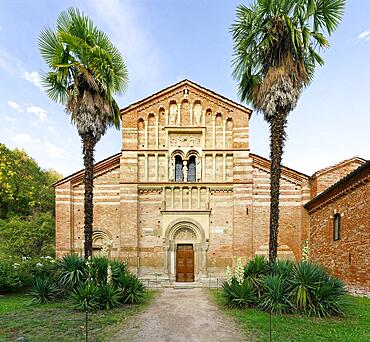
(175, 89)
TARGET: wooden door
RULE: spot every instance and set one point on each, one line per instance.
(184, 263)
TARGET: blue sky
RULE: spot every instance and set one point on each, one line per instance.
(164, 41)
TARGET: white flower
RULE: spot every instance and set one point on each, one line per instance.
(39, 264)
(239, 271)
(16, 265)
(109, 275)
(228, 275)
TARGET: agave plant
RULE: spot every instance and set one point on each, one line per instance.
(74, 271)
(98, 267)
(255, 271)
(275, 298)
(239, 296)
(86, 297)
(118, 268)
(43, 291)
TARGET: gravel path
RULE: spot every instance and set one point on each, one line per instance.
(182, 315)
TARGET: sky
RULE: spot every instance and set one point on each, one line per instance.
(163, 42)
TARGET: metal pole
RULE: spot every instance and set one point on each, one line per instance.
(270, 328)
(86, 329)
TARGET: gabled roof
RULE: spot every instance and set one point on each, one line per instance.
(100, 167)
(338, 165)
(286, 172)
(190, 84)
(338, 188)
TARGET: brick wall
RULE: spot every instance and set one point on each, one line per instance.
(347, 258)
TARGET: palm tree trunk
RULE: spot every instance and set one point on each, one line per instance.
(88, 152)
(277, 139)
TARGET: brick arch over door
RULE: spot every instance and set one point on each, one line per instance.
(175, 234)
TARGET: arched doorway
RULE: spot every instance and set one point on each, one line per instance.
(185, 251)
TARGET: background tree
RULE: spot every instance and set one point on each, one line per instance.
(276, 50)
(86, 69)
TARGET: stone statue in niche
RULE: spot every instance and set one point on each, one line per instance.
(173, 114)
(185, 170)
(199, 170)
(172, 169)
(197, 114)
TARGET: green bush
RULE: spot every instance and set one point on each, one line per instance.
(11, 277)
(283, 268)
(73, 272)
(118, 268)
(275, 297)
(239, 296)
(43, 290)
(97, 269)
(255, 270)
(86, 297)
(108, 297)
(132, 289)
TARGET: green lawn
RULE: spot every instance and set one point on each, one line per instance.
(353, 327)
(59, 321)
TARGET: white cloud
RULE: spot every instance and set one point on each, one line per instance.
(56, 152)
(15, 106)
(364, 35)
(25, 140)
(33, 77)
(51, 129)
(41, 113)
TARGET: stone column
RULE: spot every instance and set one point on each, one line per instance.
(146, 166)
(156, 166)
(172, 199)
(179, 114)
(214, 165)
(156, 132)
(224, 134)
(213, 132)
(190, 197)
(199, 193)
(146, 133)
(181, 198)
(224, 166)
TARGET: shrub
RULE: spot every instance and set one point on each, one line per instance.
(255, 270)
(108, 297)
(43, 267)
(73, 271)
(283, 268)
(118, 268)
(86, 297)
(11, 277)
(132, 289)
(305, 279)
(98, 270)
(238, 295)
(43, 290)
(327, 298)
(275, 297)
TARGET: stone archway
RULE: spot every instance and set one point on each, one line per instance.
(189, 232)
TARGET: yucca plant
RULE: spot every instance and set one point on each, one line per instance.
(239, 296)
(283, 268)
(98, 267)
(108, 297)
(255, 270)
(306, 277)
(275, 297)
(86, 297)
(74, 271)
(118, 268)
(43, 290)
(327, 298)
(132, 289)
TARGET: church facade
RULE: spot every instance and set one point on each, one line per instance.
(185, 197)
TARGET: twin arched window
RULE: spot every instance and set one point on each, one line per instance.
(185, 170)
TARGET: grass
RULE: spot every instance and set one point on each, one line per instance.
(353, 327)
(58, 321)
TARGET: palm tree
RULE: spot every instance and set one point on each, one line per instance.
(276, 50)
(85, 70)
